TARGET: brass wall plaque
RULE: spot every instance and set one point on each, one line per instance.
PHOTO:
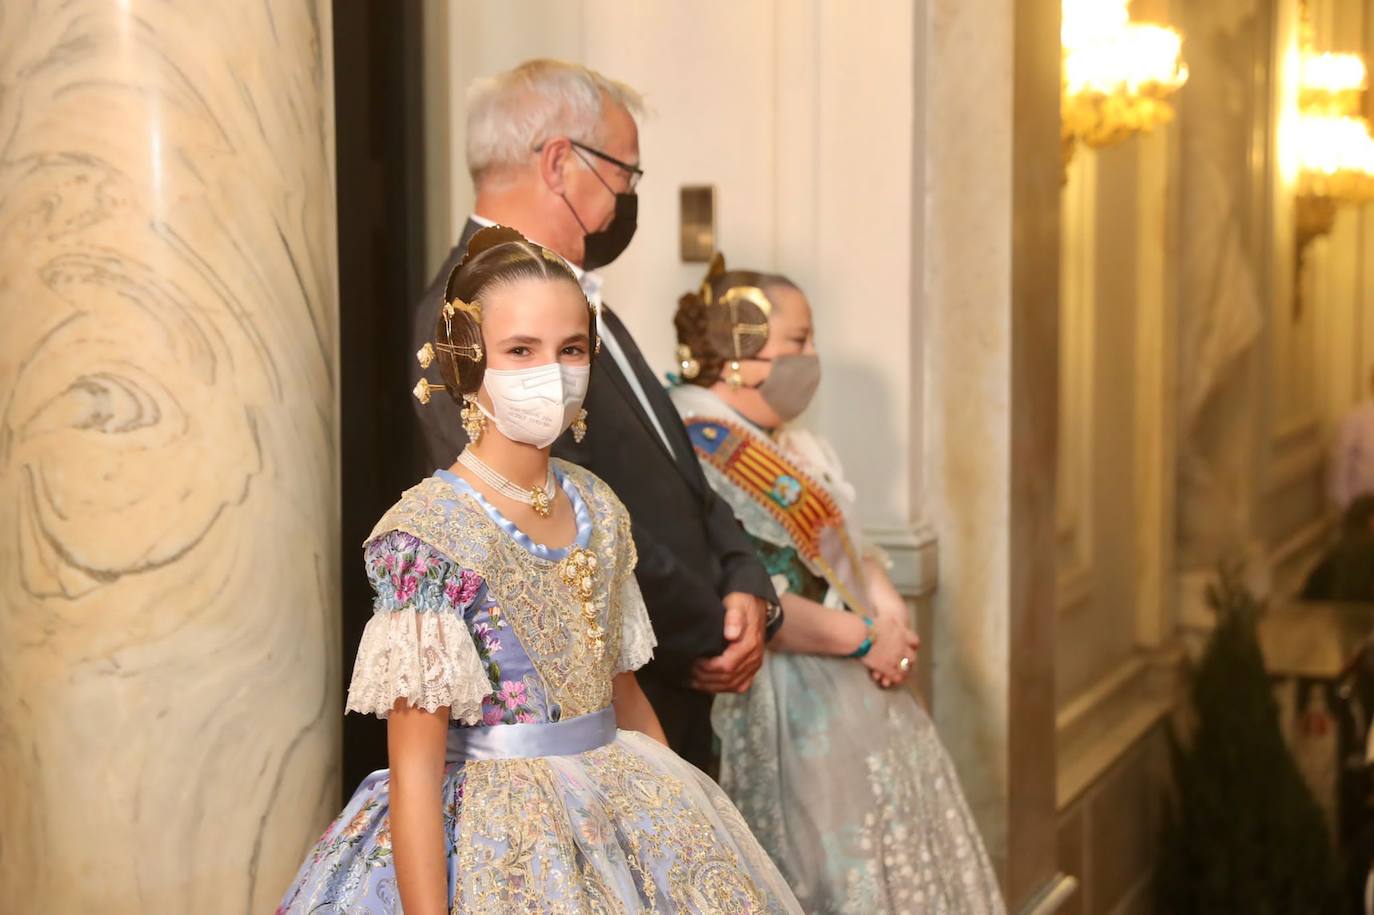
(697, 222)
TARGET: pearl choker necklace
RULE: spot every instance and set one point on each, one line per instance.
(541, 500)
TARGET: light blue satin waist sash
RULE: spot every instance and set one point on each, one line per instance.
(527, 741)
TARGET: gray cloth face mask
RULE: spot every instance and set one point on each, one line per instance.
(791, 384)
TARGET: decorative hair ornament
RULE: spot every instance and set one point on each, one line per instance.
(734, 379)
(688, 364)
(426, 354)
(713, 270)
(422, 389)
(456, 310)
(739, 329)
(472, 309)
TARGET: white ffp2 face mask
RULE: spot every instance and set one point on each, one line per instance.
(535, 405)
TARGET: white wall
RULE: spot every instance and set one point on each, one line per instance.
(801, 115)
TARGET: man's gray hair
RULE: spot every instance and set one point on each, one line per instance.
(511, 113)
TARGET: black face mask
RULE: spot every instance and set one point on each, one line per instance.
(601, 248)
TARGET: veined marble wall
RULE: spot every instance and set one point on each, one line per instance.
(169, 714)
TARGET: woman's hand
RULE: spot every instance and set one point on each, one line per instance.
(885, 599)
(892, 642)
(888, 603)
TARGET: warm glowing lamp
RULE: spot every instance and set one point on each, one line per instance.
(1118, 75)
(1334, 146)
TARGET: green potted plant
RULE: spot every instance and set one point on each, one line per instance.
(1243, 834)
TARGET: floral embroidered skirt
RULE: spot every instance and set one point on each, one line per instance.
(625, 827)
(850, 790)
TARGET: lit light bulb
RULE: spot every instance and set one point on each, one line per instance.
(1117, 73)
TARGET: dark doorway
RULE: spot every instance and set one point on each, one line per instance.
(377, 108)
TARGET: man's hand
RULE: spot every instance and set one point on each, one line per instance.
(733, 670)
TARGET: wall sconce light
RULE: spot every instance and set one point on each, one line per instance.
(1335, 147)
(1335, 150)
(1118, 75)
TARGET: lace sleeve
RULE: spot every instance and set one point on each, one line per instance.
(417, 646)
(637, 639)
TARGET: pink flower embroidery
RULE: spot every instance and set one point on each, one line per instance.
(512, 693)
(524, 718)
(492, 716)
(406, 588)
(472, 583)
(421, 564)
(389, 560)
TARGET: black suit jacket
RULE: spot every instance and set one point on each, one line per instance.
(692, 551)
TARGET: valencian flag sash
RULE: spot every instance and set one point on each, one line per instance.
(803, 507)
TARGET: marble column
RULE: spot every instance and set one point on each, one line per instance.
(169, 708)
(991, 173)
(1221, 312)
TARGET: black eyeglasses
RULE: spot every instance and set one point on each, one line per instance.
(634, 171)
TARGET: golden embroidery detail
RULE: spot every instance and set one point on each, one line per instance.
(578, 572)
(536, 601)
(526, 846)
(516, 851)
(662, 825)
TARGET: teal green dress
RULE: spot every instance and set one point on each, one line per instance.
(846, 785)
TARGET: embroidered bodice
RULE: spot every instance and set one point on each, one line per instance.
(473, 614)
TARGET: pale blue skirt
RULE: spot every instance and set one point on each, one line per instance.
(569, 816)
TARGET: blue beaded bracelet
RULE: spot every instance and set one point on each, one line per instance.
(867, 643)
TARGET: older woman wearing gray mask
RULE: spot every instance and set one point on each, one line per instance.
(841, 777)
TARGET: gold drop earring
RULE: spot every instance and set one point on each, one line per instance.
(735, 379)
(474, 420)
(688, 363)
(579, 426)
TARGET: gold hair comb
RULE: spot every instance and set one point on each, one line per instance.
(471, 309)
(755, 296)
(422, 389)
(472, 350)
(713, 270)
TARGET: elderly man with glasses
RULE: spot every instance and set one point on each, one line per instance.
(553, 150)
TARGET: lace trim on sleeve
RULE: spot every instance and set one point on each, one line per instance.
(426, 658)
(637, 639)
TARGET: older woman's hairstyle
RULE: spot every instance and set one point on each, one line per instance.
(724, 321)
(511, 113)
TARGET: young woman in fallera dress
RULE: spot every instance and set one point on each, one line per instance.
(527, 770)
(841, 776)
